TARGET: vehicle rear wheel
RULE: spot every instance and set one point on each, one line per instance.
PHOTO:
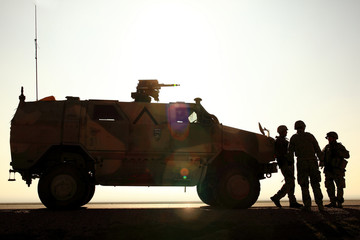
(63, 187)
(238, 188)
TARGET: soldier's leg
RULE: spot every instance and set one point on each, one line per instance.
(306, 195)
(330, 188)
(285, 187)
(288, 188)
(291, 195)
(290, 181)
(291, 192)
(304, 183)
(340, 183)
(281, 193)
(315, 179)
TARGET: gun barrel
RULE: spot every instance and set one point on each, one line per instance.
(168, 85)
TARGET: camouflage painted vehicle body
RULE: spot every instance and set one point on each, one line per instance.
(73, 145)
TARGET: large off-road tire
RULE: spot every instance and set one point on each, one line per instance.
(63, 187)
(238, 188)
(89, 193)
(206, 192)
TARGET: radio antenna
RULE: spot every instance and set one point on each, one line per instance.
(36, 65)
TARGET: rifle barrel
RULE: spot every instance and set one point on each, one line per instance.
(168, 85)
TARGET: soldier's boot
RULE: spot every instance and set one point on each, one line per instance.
(340, 202)
(276, 201)
(340, 198)
(293, 202)
(332, 204)
(306, 208)
(321, 207)
(296, 205)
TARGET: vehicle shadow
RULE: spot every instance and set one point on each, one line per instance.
(181, 223)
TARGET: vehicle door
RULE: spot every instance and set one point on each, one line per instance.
(107, 133)
(192, 143)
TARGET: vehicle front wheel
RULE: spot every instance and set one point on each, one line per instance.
(205, 191)
(89, 193)
(238, 188)
(63, 187)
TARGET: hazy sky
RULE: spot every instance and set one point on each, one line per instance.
(272, 62)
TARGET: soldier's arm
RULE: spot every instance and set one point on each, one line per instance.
(323, 152)
(317, 149)
(291, 150)
(341, 150)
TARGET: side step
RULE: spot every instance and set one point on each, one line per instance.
(11, 179)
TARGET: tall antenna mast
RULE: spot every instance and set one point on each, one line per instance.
(36, 65)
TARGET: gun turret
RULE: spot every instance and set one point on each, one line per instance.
(147, 89)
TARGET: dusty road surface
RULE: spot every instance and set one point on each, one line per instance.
(183, 222)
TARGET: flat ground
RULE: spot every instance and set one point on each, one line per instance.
(176, 221)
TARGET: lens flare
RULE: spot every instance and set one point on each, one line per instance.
(178, 122)
(184, 172)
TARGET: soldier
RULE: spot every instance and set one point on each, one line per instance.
(335, 163)
(305, 146)
(286, 166)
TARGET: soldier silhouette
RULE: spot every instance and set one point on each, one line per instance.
(307, 151)
(286, 166)
(335, 164)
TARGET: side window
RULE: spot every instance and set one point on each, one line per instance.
(106, 113)
(193, 117)
(186, 115)
(182, 115)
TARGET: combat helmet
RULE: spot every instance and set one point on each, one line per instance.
(332, 134)
(282, 128)
(299, 125)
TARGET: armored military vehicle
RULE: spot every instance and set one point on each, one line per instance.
(73, 145)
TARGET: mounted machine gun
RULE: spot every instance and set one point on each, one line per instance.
(147, 89)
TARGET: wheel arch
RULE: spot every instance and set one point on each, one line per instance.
(233, 159)
(58, 154)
